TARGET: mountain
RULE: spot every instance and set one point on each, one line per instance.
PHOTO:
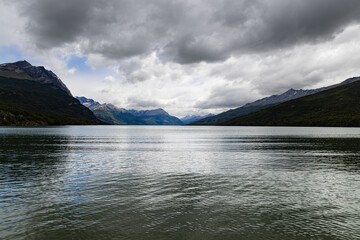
(109, 113)
(156, 117)
(193, 118)
(148, 113)
(24, 70)
(334, 107)
(33, 96)
(89, 103)
(266, 102)
(114, 115)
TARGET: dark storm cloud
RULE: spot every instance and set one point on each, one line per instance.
(280, 23)
(53, 23)
(185, 31)
(188, 50)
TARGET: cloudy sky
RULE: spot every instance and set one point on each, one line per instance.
(186, 56)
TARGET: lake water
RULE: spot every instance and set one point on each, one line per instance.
(179, 182)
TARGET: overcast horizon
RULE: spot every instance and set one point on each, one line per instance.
(187, 57)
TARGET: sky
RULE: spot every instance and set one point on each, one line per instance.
(185, 56)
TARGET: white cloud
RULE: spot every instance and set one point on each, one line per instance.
(188, 57)
(109, 79)
(72, 71)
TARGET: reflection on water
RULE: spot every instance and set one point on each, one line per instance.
(133, 182)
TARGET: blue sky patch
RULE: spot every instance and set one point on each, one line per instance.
(10, 53)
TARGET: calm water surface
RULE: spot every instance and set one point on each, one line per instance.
(137, 182)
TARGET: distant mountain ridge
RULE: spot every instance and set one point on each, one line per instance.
(193, 118)
(286, 96)
(266, 102)
(114, 115)
(92, 104)
(334, 107)
(24, 70)
(34, 96)
(143, 113)
(294, 94)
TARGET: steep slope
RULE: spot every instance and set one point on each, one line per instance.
(24, 70)
(193, 118)
(334, 107)
(114, 115)
(30, 103)
(228, 115)
(266, 102)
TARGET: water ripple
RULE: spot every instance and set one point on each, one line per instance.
(179, 183)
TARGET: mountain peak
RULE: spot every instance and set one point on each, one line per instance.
(94, 105)
(23, 64)
(24, 70)
(88, 102)
(160, 110)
